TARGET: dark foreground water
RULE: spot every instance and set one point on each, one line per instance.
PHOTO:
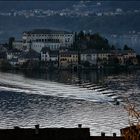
(58, 99)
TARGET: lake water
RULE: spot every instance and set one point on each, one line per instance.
(65, 99)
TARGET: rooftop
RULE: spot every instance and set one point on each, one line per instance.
(45, 133)
(14, 51)
(46, 31)
(69, 52)
(45, 49)
(30, 55)
(52, 53)
(53, 134)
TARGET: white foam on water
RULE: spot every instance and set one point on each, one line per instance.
(18, 83)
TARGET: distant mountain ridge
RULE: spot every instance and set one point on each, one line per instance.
(112, 24)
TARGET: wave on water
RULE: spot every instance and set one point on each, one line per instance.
(19, 83)
(25, 102)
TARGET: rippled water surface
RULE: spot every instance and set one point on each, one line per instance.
(67, 99)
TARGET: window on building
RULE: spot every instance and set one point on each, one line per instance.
(89, 58)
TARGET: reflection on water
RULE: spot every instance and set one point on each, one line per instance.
(93, 76)
(57, 99)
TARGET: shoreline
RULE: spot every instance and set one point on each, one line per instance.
(36, 69)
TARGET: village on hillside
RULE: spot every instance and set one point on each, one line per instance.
(53, 49)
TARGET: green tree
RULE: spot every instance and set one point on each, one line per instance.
(90, 41)
(113, 47)
(126, 47)
(99, 42)
(81, 35)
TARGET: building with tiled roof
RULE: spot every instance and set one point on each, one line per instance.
(31, 55)
(50, 56)
(68, 58)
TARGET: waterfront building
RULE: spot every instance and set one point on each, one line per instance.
(14, 61)
(45, 54)
(17, 45)
(14, 53)
(31, 55)
(89, 56)
(103, 57)
(124, 56)
(12, 56)
(120, 58)
(37, 46)
(129, 54)
(50, 56)
(68, 58)
(65, 38)
(130, 60)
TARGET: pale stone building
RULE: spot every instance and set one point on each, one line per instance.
(103, 57)
(89, 56)
(41, 36)
(49, 55)
(18, 45)
(37, 46)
